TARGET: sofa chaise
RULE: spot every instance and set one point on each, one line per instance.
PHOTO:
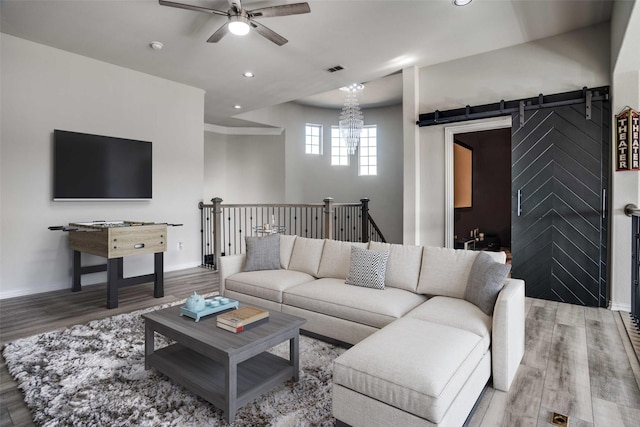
(429, 326)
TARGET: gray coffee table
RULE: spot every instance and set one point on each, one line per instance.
(229, 370)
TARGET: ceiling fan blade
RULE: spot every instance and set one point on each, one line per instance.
(219, 34)
(192, 7)
(268, 33)
(282, 10)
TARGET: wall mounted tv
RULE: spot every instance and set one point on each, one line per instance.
(94, 167)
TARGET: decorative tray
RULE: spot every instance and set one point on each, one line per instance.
(215, 305)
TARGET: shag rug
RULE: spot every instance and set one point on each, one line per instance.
(93, 375)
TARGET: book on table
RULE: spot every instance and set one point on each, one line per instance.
(242, 316)
(236, 329)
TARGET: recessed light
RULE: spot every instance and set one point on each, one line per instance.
(461, 2)
(237, 107)
(248, 74)
(156, 45)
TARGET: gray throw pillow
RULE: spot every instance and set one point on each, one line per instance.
(367, 268)
(485, 282)
(263, 253)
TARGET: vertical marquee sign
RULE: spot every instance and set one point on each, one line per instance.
(628, 140)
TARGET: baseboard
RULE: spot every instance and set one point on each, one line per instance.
(614, 306)
(32, 291)
(57, 287)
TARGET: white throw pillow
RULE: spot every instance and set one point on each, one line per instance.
(306, 255)
(286, 249)
(336, 258)
(403, 267)
(445, 271)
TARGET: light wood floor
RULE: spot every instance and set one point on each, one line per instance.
(578, 361)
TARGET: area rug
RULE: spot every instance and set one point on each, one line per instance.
(93, 375)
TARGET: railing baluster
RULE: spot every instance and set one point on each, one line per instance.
(224, 227)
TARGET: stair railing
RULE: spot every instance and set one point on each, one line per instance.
(224, 226)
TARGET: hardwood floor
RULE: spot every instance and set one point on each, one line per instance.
(578, 361)
(25, 316)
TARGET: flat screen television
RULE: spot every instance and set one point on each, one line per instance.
(94, 167)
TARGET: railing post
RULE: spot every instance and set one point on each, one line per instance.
(217, 229)
(365, 219)
(328, 218)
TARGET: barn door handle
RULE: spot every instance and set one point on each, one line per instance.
(604, 202)
(519, 202)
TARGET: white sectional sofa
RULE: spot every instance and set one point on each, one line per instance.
(422, 353)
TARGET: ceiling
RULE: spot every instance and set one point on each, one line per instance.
(371, 39)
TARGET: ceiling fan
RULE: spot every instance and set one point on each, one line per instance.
(241, 20)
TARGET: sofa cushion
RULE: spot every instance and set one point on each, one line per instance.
(403, 266)
(267, 284)
(336, 256)
(263, 253)
(367, 268)
(486, 279)
(416, 366)
(361, 305)
(286, 249)
(306, 255)
(454, 312)
(446, 271)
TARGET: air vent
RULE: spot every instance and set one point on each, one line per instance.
(336, 68)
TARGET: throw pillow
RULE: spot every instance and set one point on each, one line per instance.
(263, 253)
(485, 282)
(367, 268)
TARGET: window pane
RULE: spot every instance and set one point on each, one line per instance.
(368, 151)
(313, 139)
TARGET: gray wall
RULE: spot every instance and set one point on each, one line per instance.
(244, 168)
(311, 178)
(45, 89)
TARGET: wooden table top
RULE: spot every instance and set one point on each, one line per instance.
(206, 332)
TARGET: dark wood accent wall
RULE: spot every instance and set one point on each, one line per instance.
(491, 210)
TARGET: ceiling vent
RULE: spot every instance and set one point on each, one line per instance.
(336, 68)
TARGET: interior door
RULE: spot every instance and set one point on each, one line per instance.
(560, 164)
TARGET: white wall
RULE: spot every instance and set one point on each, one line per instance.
(309, 178)
(625, 49)
(244, 168)
(45, 89)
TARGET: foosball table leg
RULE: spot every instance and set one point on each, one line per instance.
(158, 269)
(76, 286)
(114, 275)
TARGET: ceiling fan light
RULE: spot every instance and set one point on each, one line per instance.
(238, 25)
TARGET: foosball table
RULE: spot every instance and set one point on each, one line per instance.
(115, 240)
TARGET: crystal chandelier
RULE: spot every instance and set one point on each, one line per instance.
(351, 118)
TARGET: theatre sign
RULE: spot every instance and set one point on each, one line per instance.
(628, 140)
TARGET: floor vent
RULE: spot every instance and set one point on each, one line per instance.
(335, 68)
(559, 420)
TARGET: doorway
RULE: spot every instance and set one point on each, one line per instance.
(483, 221)
(450, 133)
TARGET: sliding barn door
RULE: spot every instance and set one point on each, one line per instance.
(560, 164)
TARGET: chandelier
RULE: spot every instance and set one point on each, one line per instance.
(351, 118)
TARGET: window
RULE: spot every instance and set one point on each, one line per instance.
(339, 155)
(313, 139)
(368, 151)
